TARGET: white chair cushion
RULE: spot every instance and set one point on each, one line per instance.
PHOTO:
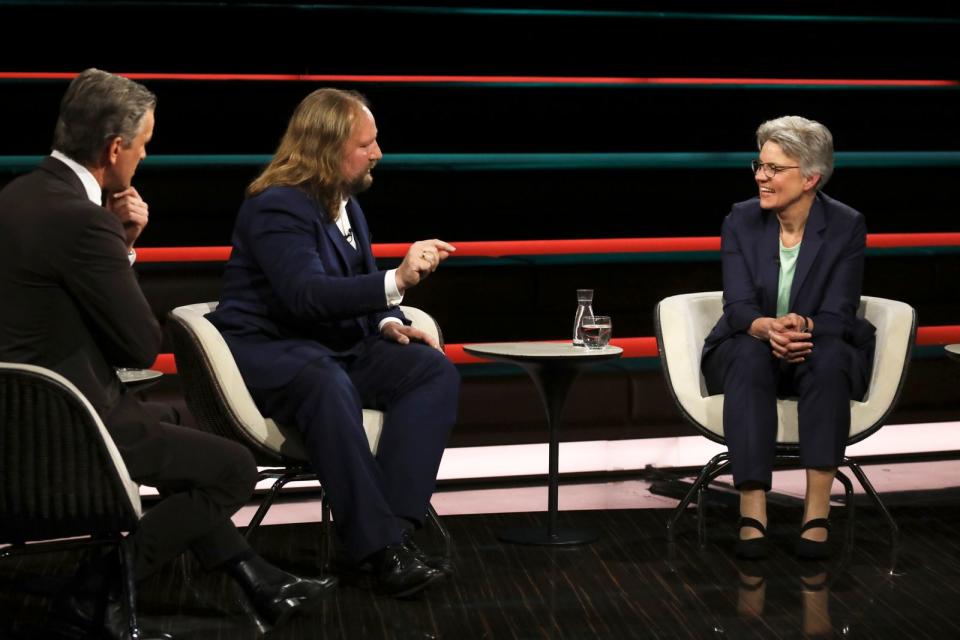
(686, 319)
(266, 431)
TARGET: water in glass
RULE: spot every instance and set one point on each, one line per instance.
(596, 331)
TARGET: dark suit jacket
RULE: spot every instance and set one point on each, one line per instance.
(826, 283)
(70, 301)
(289, 294)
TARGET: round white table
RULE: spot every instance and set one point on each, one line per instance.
(953, 351)
(553, 366)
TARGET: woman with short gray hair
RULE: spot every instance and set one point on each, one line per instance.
(792, 261)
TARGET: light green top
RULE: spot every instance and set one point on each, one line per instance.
(788, 266)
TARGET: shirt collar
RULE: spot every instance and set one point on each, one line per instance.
(90, 184)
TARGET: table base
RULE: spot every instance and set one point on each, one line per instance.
(527, 535)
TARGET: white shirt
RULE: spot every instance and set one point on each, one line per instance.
(90, 185)
(390, 289)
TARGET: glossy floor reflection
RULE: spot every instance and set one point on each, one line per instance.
(629, 584)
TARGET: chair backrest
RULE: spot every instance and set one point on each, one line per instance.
(683, 322)
(61, 474)
(217, 396)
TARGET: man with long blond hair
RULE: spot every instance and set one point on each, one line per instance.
(316, 332)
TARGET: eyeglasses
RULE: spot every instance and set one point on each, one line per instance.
(770, 169)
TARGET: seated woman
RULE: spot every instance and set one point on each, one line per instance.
(792, 270)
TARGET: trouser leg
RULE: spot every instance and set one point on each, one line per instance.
(204, 479)
(324, 405)
(417, 388)
(831, 376)
(743, 369)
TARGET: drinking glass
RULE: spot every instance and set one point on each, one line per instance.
(596, 331)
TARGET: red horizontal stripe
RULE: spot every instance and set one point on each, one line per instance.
(495, 249)
(415, 79)
(643, 347)
(894, 240)
(934, 335)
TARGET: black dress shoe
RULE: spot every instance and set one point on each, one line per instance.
(275, 594)
(753, 548)
(440, 563)
(812, 549)
(400, 573)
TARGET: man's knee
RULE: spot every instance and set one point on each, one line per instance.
(238, 469)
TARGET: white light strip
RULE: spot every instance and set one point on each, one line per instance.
(504, 461)
(686, 451)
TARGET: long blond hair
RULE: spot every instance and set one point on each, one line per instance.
(311, 149)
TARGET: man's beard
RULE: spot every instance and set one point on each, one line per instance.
(359, 185)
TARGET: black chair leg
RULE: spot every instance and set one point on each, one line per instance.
(865, 483)
(129, 589)
(444, 533)
(704, 476)
(282, 480)
(326, 544)
(719, 470)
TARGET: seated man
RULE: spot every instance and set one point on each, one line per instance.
(315, 331)
(73, 305)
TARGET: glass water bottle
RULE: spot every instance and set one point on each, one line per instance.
(584, 308)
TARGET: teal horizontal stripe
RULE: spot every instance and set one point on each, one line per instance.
(544, 161)
(506, 12)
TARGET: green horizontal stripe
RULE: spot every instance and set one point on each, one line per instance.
(544, 161)
(512, 12)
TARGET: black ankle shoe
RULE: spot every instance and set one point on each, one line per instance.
(400, 573)
(275, 594)
(811, 549)
(441, 563)
(753, 548)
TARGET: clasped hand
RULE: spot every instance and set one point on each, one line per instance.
(790, 338)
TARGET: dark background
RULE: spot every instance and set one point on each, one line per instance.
(531, 299)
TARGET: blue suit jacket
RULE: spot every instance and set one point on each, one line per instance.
(826, 283)
(289, 294)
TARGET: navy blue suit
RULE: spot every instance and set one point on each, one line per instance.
(826, 288)
(300, 309)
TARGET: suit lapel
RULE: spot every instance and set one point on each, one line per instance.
(769, 256)
(812, 241)
(338, 241)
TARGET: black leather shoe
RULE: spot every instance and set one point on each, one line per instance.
(400, 573)
(440, 563)
(812, 549)
(753, 548)
(275, 594)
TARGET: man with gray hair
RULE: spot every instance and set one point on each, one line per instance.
(67, 232)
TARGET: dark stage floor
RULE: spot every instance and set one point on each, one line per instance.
(628, 584)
